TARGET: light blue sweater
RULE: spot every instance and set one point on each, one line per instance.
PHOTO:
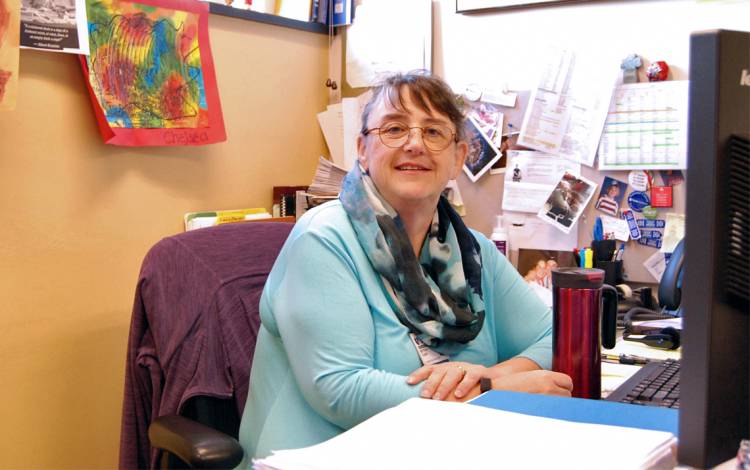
(331, 352)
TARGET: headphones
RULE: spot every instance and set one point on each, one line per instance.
(670, 290)
(662, 338)
(665, 338)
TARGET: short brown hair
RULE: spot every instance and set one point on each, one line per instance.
(426, 90)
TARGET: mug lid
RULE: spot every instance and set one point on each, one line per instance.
(577, 278)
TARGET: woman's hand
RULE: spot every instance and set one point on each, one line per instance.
(545, 382)
(448, 379)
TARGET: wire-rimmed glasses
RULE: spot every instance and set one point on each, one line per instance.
(436, 137)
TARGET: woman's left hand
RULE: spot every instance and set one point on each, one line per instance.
(442, 379)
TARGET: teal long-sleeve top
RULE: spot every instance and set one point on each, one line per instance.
(331, 352)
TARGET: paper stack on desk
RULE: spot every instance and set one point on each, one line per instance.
(328, 178)
(441, 435)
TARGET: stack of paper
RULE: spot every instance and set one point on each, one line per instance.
(328, 178)
(194, 220)
(441, 435)
(341, 123)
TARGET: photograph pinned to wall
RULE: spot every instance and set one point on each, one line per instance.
(9, 26)
(55, 25)
(490, 119)
(536, 265)
(482, 152)
(536, 268)
(530, 177)
(611, 196)
(672, 177)
(567, 201)
(151, 75)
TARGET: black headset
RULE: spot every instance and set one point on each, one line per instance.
(670, 290)
(665, 338)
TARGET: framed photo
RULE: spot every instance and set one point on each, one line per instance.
(567, 201)
(482, 152)
(610, 197)
(536, 265)
(468, 6)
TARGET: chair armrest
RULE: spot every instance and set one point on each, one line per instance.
(195, 444)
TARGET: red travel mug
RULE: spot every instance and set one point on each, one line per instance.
(584, 317)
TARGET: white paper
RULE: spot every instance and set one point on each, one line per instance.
(646, 127)
(567, 109)
(674, 231)
(332, 124)
(351, 115)
(617, 227)
(530, 178)
(407, 437)
(405, 44)
(655, 265)
(527, 231)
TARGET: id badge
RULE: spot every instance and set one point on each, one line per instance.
(426, 354)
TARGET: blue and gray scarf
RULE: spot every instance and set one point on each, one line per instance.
(439, 296)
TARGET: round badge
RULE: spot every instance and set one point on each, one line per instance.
(650, 212)
(638, 180)
(473, 92)
(638, 200)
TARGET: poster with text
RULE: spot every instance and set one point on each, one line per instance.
(9, 21)
(151, 74)
(55, 25)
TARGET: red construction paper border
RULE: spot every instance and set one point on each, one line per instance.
(215, 131)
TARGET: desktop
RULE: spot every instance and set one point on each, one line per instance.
(715, 374)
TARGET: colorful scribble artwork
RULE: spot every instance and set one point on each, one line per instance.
(145, 65)
(151, 72)
(9, 34)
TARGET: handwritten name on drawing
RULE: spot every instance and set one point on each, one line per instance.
(185, 137)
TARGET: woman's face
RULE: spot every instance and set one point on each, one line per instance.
(412, 175)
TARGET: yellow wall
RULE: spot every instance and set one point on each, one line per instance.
(77, 217)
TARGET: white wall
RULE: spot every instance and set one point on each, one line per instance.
(506, 48)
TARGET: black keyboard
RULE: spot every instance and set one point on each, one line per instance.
(655, 384)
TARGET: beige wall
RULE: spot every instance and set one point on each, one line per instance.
(78, 217)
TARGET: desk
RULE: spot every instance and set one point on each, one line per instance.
(614, 375)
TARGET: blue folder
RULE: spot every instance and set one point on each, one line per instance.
(582, 410)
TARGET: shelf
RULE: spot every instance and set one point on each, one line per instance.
(226, 10)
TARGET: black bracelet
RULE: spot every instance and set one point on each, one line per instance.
(485, 384)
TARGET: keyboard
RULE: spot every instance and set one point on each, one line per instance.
(655, 384)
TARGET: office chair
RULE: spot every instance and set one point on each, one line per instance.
(670, 294)
(191, 343)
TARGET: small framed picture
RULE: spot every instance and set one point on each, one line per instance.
(536, 265)
(567, 201)
(610, 197)
(482, 152)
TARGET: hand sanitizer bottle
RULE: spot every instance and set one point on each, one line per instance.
(500, 236)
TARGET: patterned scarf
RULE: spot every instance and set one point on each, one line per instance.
(439, 297)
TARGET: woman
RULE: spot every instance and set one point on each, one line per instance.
(372, 291)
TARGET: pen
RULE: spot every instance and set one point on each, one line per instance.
(625, 359)
(620, 252)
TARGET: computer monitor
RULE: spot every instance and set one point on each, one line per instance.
(715, 373)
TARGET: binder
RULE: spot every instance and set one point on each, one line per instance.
(582, 410)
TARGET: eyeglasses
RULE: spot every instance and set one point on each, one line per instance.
(395, 134)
